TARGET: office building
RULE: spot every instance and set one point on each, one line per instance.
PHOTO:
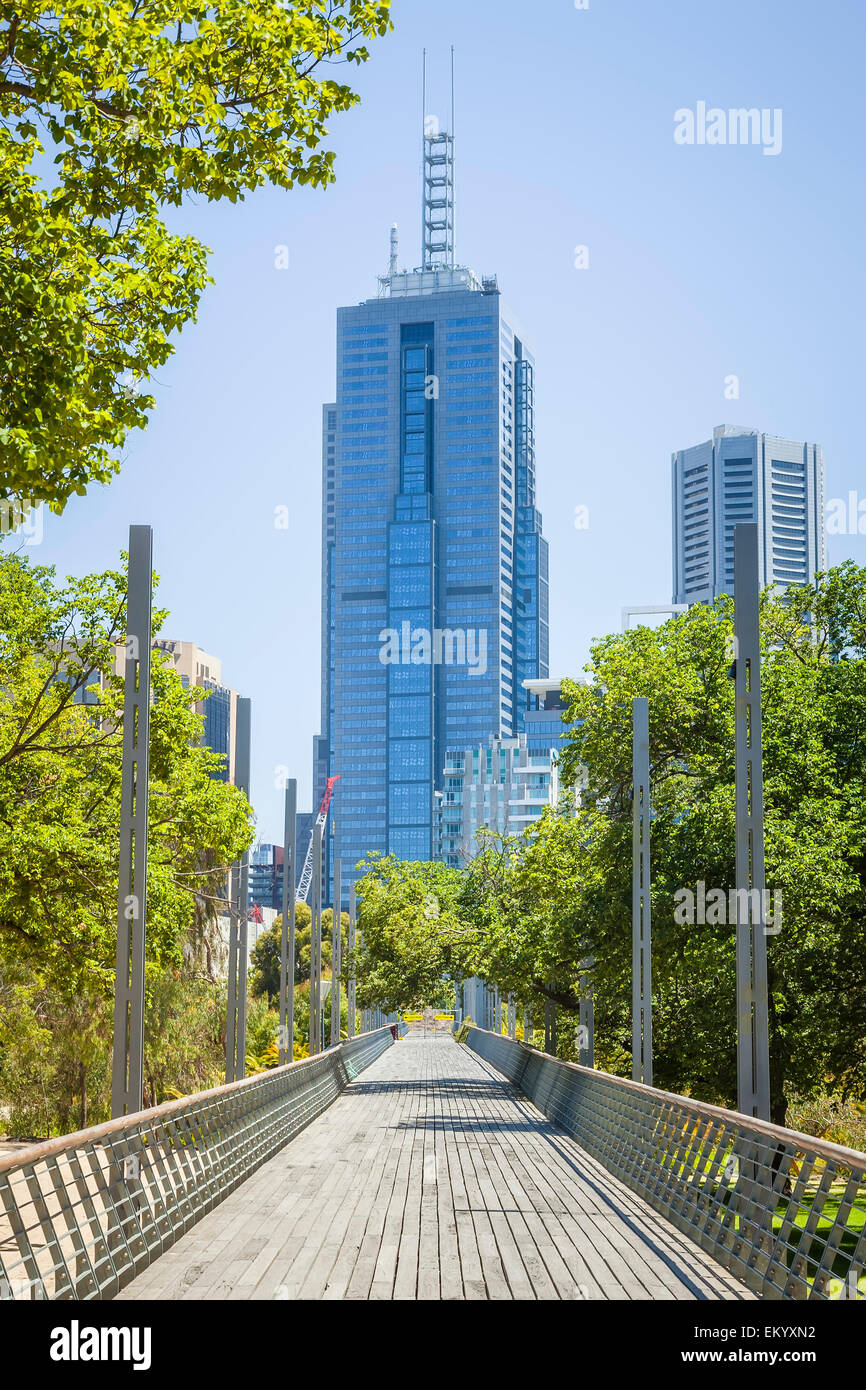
(743, 475)
(434, 567)
(500, 786)
(505, 784)
(197, 668)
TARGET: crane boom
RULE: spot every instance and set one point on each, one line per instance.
(321, 818)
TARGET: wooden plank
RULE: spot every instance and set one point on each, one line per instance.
(431, 1178)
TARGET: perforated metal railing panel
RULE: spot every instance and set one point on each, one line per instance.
(81, 1215)
(784, 1212)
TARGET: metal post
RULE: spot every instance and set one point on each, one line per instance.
(641, 926)
(236, 1018)
(350, 991)
(550, 1021)
(586, 1021)
(287, 940)
(753, 1046)
(127, 1069)
(316, 946)
(527, 1027)
(336, 953)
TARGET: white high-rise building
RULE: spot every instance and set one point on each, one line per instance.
(743, 475)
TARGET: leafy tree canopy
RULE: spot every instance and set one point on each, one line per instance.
(548, 915)
(61, 714)
(110, 112)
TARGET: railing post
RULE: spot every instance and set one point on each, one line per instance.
(586, 1021)
(287, 940)
(336, 952)
(527, 1027)
(641, 1001)
(353, 912)
(550, 1021)
(236, 1020)
(316, 946)
(753, 1047)
(127, 1068)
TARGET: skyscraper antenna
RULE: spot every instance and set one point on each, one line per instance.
(437, 226)
(453, 127)
(453, 166)
(423, 156)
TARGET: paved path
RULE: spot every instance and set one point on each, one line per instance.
(432, 1178)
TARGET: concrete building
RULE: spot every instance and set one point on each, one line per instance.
(198, 668)
(503, 784)
(744, 475)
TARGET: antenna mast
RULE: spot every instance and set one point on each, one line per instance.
(438, 185)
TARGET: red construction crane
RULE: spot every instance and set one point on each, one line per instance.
(321, 819)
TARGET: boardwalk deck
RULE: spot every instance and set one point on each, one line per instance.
(432, 1178)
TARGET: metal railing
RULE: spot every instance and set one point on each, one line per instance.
(782, 1211)
(82, 1215)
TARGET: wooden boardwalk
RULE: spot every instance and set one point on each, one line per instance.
(432, 1178)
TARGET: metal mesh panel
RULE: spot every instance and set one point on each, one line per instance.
(782, 1211)
(82, 1215)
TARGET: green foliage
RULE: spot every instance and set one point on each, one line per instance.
(408, 928)
(60, 762)
(110, 112)
(529, 914)
(266, 954)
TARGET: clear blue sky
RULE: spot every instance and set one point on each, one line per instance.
(704, 262)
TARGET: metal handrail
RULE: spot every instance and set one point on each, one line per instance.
(82, 1215)
(781, 1210)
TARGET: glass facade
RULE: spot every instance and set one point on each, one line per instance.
(217, 711)
(434, 567)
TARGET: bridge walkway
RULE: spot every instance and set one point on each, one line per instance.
(432, 1178)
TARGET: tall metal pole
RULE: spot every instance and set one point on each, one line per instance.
(753, 1045)
(336, 953)
(641, 924)
(350, 990)
(453, 167)
(316, 947)
(287, 941)
(127, 1068)
(236, 1019)
(586, 1022)
(424, 160)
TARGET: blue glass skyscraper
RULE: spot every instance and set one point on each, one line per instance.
(434, 567)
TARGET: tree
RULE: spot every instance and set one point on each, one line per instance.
(137, 105)
(408, 925)
(529, 913)
(61, 718)
(266, 955)
(814, 717)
